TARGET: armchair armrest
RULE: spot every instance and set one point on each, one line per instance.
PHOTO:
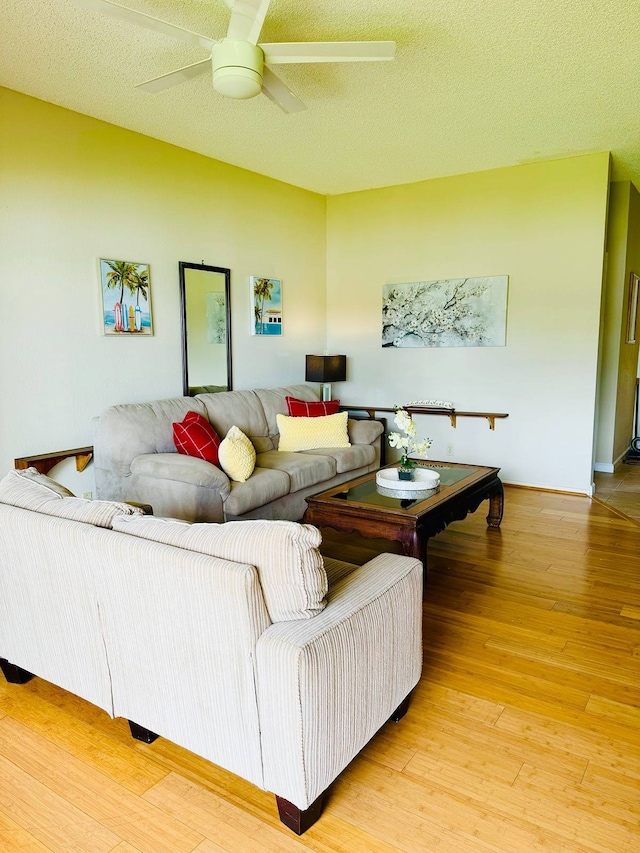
(327, 684)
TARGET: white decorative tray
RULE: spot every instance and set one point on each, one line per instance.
(424, 484)
(423, 478)
(405, 494)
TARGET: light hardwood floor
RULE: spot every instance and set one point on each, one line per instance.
(523, 735)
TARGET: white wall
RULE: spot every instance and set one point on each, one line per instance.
(74, 189)
(541, 224)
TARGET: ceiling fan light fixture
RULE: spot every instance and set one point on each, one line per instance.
(237, 69)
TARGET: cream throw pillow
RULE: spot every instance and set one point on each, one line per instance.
(313, 433)
(237, 455)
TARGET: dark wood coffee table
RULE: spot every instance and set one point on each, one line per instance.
(358, 507)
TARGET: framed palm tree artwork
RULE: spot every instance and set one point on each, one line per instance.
(266, 304)
(126, 298)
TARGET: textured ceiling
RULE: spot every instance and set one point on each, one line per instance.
(476, 84)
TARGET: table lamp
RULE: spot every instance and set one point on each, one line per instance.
(326, 369)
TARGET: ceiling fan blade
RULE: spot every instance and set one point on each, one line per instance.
(173, 78)
(107, 7)
(279, 93)
(328, 51)
(247, 18)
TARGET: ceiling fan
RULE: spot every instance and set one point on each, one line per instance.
(242, 67)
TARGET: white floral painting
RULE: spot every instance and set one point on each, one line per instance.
(455, 312)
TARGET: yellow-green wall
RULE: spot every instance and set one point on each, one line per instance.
(541, 224)
(74, 189)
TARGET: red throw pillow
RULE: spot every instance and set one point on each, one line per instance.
(317, 409)
(195, 436)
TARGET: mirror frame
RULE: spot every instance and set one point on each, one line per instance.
(182, 266)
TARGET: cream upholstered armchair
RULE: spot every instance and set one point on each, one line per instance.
(236, 641)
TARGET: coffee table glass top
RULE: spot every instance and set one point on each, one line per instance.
(367, 492)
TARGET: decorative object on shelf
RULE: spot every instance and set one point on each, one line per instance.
(407, 443)
(119, 280)
(390, 483)
(457, 312)
(267, 306)
(326, 369)
(431, 404)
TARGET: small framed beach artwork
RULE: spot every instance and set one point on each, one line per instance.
(266, 302)
(126, 298)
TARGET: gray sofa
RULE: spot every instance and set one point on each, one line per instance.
(136, 459)
(236, 641)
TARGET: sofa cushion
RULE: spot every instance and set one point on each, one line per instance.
(237, 455)
(194, 436)
(30, 490)
(312, 433)
(311, 409)
(303, 469)
(285, 553)
(347, 458)
(262, 487)
(274, 402)
(238, 408)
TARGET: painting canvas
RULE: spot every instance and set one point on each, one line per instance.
(126, 297)
(457, 312)
(267, 306)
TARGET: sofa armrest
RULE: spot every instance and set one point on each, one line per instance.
(327, 684)
(363, 431)
(185, 469)
(179, 486)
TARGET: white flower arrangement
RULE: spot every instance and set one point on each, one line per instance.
(407, 443)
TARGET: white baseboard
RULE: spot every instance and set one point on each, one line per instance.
(604, 467)
(556, 489)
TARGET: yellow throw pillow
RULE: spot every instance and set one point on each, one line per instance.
(313, 433)
(237, 455)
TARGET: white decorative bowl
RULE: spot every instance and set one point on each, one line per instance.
(423, 479)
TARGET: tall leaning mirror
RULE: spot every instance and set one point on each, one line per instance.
(205, 296)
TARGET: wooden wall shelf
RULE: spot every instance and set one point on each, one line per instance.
(452, 414)
(44, 462)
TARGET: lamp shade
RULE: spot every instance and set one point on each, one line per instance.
(326, 368)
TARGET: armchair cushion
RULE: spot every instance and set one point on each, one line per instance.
(285, 553)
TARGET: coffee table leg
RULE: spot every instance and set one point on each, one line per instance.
(496, 504)
(415, 545)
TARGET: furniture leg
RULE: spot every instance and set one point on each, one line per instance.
(14, 674)
(140, 733)
(297, 819)
(496, 504)
(402, 709)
